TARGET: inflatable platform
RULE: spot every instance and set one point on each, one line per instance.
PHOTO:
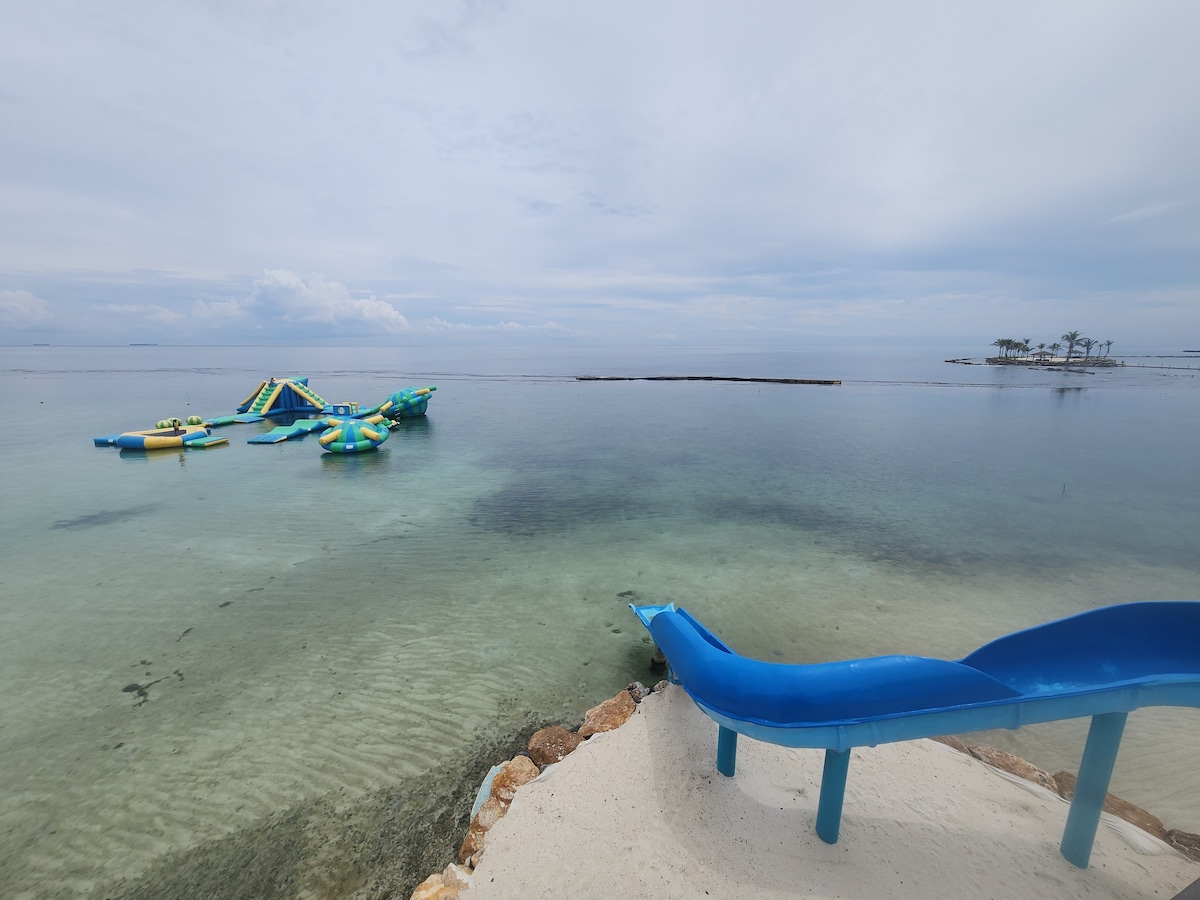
(345, 429)
(282, 396)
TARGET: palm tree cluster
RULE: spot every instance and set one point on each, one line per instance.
(1021, 349)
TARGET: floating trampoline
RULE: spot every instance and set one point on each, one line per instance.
(168, 437)
(1103, 664)
(353, 436)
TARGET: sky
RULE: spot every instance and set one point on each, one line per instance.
(675, 172)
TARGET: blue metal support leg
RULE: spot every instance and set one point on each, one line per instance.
(1095, 770)
(726, 750)
(833, 791)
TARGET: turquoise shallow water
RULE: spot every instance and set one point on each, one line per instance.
(315, 626)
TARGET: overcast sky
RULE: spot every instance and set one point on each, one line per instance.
(682, 171)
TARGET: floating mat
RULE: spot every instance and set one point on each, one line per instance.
(298, 428)
(275, 436)
(212, 440)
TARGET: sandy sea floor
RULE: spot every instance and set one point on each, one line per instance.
(261, 671)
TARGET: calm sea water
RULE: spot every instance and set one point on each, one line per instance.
(315, 628)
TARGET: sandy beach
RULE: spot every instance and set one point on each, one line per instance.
(641, 811)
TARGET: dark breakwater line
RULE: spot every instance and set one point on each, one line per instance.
(707, 378)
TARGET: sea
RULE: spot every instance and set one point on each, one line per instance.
(269, 670)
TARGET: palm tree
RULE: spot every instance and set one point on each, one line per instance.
(1107, 346)
(1005, 344)
(1072, 338)
(1055, 347)
(1088, 344)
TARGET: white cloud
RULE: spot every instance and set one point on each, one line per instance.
(546, 328)
(143, 312)
(21, 309)
(286, 296)
(1148, 211)
(229, 309)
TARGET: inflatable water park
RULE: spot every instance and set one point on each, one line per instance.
(344, 427)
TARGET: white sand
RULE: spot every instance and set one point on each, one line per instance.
(641, 812)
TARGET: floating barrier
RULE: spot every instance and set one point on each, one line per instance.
(825, 381)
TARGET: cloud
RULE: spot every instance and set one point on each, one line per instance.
(21, 310)
(228, 309)
(280, 296)
(446, 28)
(514, 168)
(436, 324)
(1149, 211)
(143, 313)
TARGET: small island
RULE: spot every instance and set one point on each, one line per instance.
(1022, 352)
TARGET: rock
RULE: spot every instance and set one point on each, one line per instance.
(1014, 765)
(424, 890)
(608, 715)
(456, 877)
(953, 742)
(517, 771)
(491, 812)
(472, 845)
(433, 888)
(1122, 809)
(550, 745)
(1064, 783)
(1185, 842)
(661, 686)
(637, 691)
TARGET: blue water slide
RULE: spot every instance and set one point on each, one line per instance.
(1102, 663)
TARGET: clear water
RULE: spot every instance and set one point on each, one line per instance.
(307, 625)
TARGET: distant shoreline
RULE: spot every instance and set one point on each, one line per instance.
(1055, 362)
(1052, 361)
